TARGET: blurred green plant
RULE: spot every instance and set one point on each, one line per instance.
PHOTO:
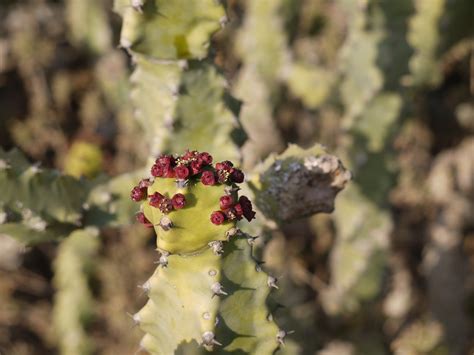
(367, 73)
(83, 159)
(74, 303)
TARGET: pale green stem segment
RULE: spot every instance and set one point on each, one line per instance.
(221, 294)
(73, 306)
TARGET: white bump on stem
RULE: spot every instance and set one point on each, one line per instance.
(125, 43)
(251, 240)
(271, 282)
(217, 247)
(280, 337)
(231, 232)
(137, 5)
(146, 287)
(208, 339)
(217, 289)
(183, 64)
(165, 223)
(223, 21)
(206, 315)
(163, 261)
(136, 318)
(181, 184)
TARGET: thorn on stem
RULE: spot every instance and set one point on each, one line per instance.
(271, 282)
(206, 315)
(146, 287)
(217, 289)
(138, 5)
(165, 223)
(231, 232)
(163, 261)
(217, 247)
(136, 318)
(251, 240)
(208, 339)
(280, 337)
(223, 21)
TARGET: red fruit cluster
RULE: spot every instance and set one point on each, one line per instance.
(139, 192)
(164, 167)
(231, 209)
(195, 167)
(227, 173)
(165, 204)
(184, 167)
(191, 165)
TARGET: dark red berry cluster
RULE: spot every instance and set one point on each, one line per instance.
(184, 167)
(139, 192)
(194, 164)
(195, 167)
(230, 209)
(165, 204)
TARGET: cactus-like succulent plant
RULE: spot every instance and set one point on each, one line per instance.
(74, 303)
(37, 204)
(168, 42)
(207, 287)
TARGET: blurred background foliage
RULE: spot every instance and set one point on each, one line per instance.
(387, 86)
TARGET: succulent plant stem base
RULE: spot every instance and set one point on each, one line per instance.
(207, 286)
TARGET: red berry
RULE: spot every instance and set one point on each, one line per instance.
(196, 167)
(224, 170)
(217, 217)
(181, 172)
(247, 209)
(155, 199)
(208, 178)
(178, 201)
(165, 205)
(165, 161)
(157, 170)
(169, 172)
(237, 176)
(189, 154)
(226, 202)
(239, 212)
(143, 220)
(205, 158)
(224, 165)
(138, 194)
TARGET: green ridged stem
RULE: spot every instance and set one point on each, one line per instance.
(39, 204)
(73, 303)
(179, 99)
(264, 55)
(182, 306)
(373, 61)
(88, 24)
(207, 287)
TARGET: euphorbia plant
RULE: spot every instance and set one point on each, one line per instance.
(207, 286)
